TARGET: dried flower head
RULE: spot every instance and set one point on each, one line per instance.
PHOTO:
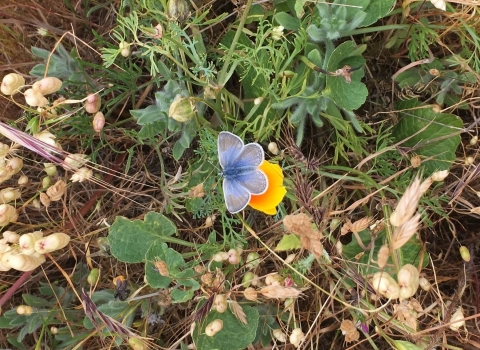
(403, 233)
(57, 191)
(349, 331)
(407, 206)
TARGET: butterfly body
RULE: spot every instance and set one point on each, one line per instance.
(240, 167)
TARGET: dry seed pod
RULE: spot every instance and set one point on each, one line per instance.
(458, 320)
(214, 327)
(81, 175)
(45, 200)
(23, 180)
(24, 310)
(182, 109)
(7, 214)
(385, 285)
(34, 98)
(408, 280)
(279, 335)
(14, 165)
(21, 262)
(233, 257)
(47, 85)
(296, 337)
(93, 103)
(465, 253)
(273, 148)
(250, 294)
(75, 161)
(57, 191)
(27, 241)
(474, 140)
(52, 242)
(10, 83)
(137, 344)
(220, 303)
(98, 122)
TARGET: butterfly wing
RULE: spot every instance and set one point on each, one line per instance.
(251, 156)
(236, 196)
(229, 148)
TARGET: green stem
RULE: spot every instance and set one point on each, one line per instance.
(222, 76)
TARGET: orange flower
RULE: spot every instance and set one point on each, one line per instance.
(268, 201)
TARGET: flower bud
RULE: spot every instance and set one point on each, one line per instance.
(46, 182)
(93, 103)
(98, 122)
(233, 257)
(277, 32)
(50, 169)
(465, 253)
(9, 194)
(247, 279)
(220, 303)
(24, 310)
(213, 327)
(52, 242)
(250, 294)
(11, 82)
(34, 98)
(47, 85)
(23, 180)
(182, 109)
(92, 277)
(273, 148)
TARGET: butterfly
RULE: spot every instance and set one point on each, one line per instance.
(242, 177)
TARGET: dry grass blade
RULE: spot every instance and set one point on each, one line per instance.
(237, 311)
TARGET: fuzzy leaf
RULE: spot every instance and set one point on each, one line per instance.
(288, 242)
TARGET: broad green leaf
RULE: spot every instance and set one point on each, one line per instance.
(439, 140)
(349, 96)
(149, 115)
(234, 334)
(130, 240)
(181, 296)
(377, 9)
(289, 242)
(287, 21)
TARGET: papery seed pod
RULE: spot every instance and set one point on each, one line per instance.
(5, 257)
(273, 279)
(199, 269)
(27, 241)
(23, 180)
(247, 279)
(93, 103)
(207, 278)
(45, 200)
(4, 246)
(424, 284)
(45, 136)
(4, 150)
(3, 267)
(182, 109)
(474, 140)
(24, 310)
(11, 236)
(34, 98)
(385, 285)
(209, 220)
(218, 257)
(458, 320)
(250, 294)
(57, 191)
(253, 260)
(36, 204)
(439, 175)
(296, 337)
(47, 85)
(277, 33)
(258, 100)
(125, 52)
(220, 303)
(279, 335)
(233, 257)
(52, 242)
(21, 262)
(50, 169)
(54, 330)
(14, 165)
(382, 257)
(9, 194)
(416, 161)
(7, 214)
(469, 160)
(213, 327)
(11, 82)
(98, 122)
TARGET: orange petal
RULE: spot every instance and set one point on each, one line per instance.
(268, 201)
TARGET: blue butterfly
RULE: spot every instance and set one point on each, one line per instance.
(240, 163)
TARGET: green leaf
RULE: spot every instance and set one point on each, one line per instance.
(377, 9)
(234, 334)
(289, 242)
(439, 140)
(287, 21)
(130, 240)
(159, 251)
(181, 296)
(349, 96)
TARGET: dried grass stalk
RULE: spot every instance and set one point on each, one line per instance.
(402, 234)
